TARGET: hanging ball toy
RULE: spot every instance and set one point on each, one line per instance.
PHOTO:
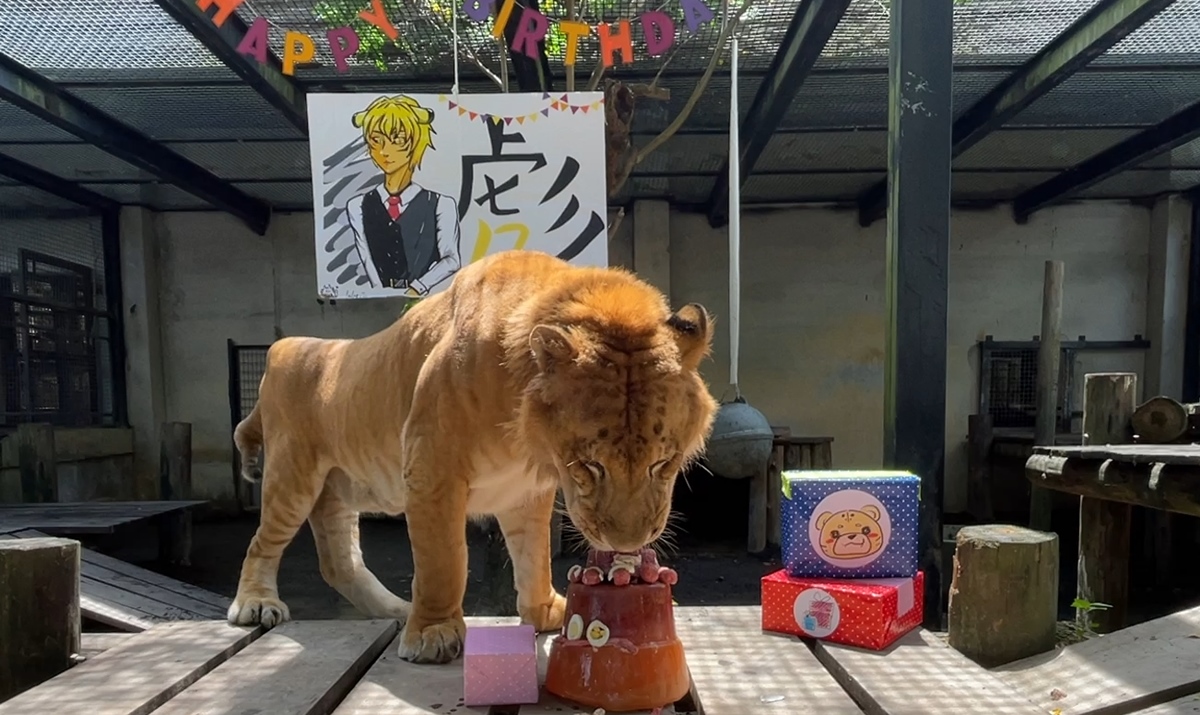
(741, 441)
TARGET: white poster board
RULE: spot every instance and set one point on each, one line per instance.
(407, 188)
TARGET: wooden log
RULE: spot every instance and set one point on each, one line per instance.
(175, 483)
(39, 611)
(1049, 355)
(37, 464)
(990, 622)
(1162, 420)
(979, 476)
(1104, 525)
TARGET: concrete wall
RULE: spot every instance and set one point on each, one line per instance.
(812, 308)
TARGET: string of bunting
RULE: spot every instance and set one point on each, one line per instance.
(616, 38)
(560, 103)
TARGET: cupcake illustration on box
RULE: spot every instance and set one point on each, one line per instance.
(850, 524)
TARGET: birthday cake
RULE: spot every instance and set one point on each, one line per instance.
(618, 649)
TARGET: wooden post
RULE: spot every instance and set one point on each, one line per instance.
(759, 508)
(1049, 355)
(39, 611)
(979, 471)
(991, 621)
(1108, 401)
(175, 483)
(37, 464)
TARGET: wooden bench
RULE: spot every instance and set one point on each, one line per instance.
(351, 668)
(131, 598)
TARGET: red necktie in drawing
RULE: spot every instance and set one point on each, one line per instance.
(393, 206)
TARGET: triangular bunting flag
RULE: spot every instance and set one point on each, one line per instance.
(521, 120)
(533, 117)
(602, 100)
(496, 119)
(545, 95)
(563, 98)
(574, 109)
(462, 110)
(585, 108)
(473, 115)
(545, 112)
(508, 121)
(595, 105)
(452, 105)
(441, 98)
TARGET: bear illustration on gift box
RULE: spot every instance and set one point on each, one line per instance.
(849, 558)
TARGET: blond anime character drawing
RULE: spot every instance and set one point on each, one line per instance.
(406, 235)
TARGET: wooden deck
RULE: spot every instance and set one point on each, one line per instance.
(78, 518)
(350, 668)
(132, 598)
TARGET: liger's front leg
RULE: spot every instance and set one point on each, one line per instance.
(526, 531)
(436, 512)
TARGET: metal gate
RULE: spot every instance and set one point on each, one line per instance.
(247, 363)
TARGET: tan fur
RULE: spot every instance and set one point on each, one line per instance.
(525, 375)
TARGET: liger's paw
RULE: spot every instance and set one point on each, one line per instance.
(434, 643)
(548, 616)
(250, 611)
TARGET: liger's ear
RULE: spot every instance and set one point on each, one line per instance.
(551, 346)
(693, 329)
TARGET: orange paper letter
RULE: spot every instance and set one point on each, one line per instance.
(611, 41)
(506, 11)
(298, 48)
(225, 8)
(377, 16)
(574, 30)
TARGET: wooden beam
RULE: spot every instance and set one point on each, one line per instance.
(1049, 355)
(1108, 402)
(1168, 487)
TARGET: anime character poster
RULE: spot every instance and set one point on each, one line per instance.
(408, 188)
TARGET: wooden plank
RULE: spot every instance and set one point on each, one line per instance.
(396, 687)
(1151, 663)
(298, 668)
(1189, 705)
(93, 644)
(920, 675)
(83, 517)
(142, 606)
(1181, 454)
(1169, 487)
(1046, 410)
(111, 608)
(737, 668)
(139, 675)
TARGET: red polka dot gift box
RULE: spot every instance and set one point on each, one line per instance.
(500, 666)
(866, 613)
(849, 524)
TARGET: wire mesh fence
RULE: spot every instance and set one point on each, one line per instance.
(55, 355)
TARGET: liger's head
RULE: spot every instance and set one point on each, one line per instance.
(618, 406)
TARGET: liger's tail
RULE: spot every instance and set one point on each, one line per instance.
(248, 438)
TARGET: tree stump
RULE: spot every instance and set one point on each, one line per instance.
(39, 611)
(1004, 593)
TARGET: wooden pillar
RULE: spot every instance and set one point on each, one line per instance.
(979, 470)
(175, 483)
(1108, 404)
(990, 621)
(39, 611)
(759, 508)
(1049, 355)
(37, 464)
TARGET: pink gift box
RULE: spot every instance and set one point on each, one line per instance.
(500, 666)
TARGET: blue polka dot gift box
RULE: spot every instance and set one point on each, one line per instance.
(865, 613)
(849, 524)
